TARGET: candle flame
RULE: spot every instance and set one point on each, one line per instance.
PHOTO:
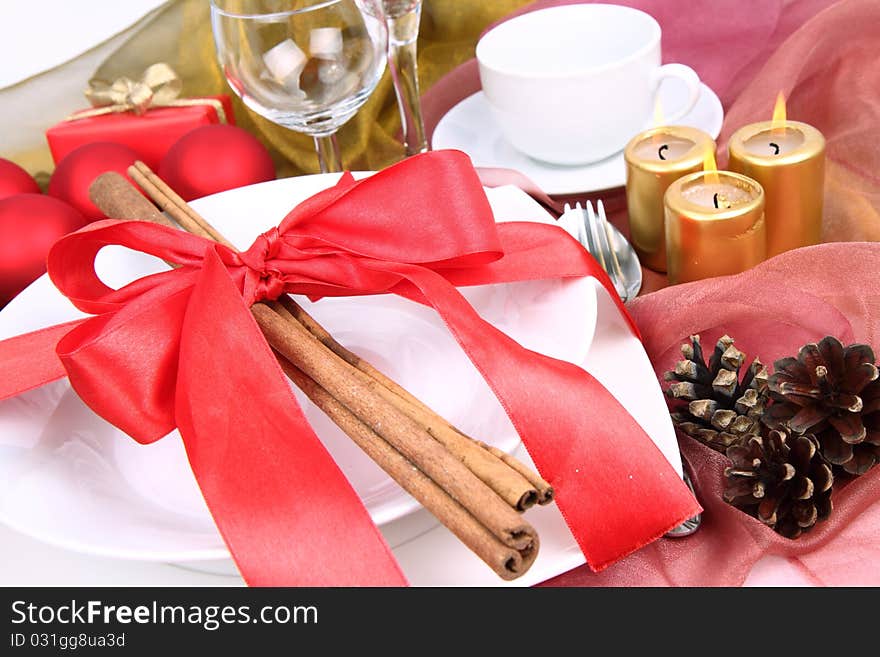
(658, 113)
(710, 168)
(658, 121)
(777, 124)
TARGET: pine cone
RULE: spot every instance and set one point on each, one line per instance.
(711, 403)
(781, 479)
(833, 392)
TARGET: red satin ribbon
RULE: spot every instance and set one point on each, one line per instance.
(180, 349)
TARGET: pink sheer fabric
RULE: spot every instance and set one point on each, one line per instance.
(771, 310)
(827, 69)
(821, 53)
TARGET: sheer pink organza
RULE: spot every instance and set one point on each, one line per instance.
(828, 70)
(771, 310)
(823, 55)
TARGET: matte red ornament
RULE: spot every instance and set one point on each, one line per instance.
(29, 225)
(79, 168)
(214, 158)
(15, 180)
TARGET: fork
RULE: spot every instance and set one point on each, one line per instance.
(594, 233)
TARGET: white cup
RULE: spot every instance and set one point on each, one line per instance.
(573, 84)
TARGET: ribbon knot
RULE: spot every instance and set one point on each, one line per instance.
(158, 86)
(264, 280)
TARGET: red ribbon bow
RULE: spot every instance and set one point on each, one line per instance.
(180, 349)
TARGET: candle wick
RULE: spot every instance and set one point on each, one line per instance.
(776, 146)
(720, 201)
(660, 152)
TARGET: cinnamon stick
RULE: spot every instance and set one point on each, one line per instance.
(507, 562)
(169, 200)
(448, 474)
(111, 193)
(360, 395)
(506, 478)
(543, 488)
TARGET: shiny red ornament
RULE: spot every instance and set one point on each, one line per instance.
(29, 225)
(214, 158)
(79, 168)
(15, 180)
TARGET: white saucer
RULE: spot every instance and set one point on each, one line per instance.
(469, 127)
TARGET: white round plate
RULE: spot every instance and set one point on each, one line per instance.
(469, 127)
(71, 479)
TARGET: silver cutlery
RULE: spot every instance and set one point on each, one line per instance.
(606, 244)
(690, 525)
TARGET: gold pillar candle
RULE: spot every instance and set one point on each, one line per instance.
(788, 159)
(654, 159)
(714, 225)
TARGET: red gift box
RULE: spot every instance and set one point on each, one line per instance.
(150, 134)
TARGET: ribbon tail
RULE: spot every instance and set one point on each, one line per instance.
(29, 361)
(285, 510)
(615, 489)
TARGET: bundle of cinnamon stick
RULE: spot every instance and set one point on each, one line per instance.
(475, 490)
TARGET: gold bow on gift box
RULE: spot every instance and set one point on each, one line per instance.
(158, 86)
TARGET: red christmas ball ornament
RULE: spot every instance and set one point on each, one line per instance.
(15, 180)
(29, 225)
(79, 168)
(214, 158)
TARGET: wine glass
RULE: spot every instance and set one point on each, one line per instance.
(307, 65)
(403, 17)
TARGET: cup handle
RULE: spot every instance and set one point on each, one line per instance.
(687, 75)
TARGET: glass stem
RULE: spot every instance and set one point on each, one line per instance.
(402, 39)
(328, 153)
